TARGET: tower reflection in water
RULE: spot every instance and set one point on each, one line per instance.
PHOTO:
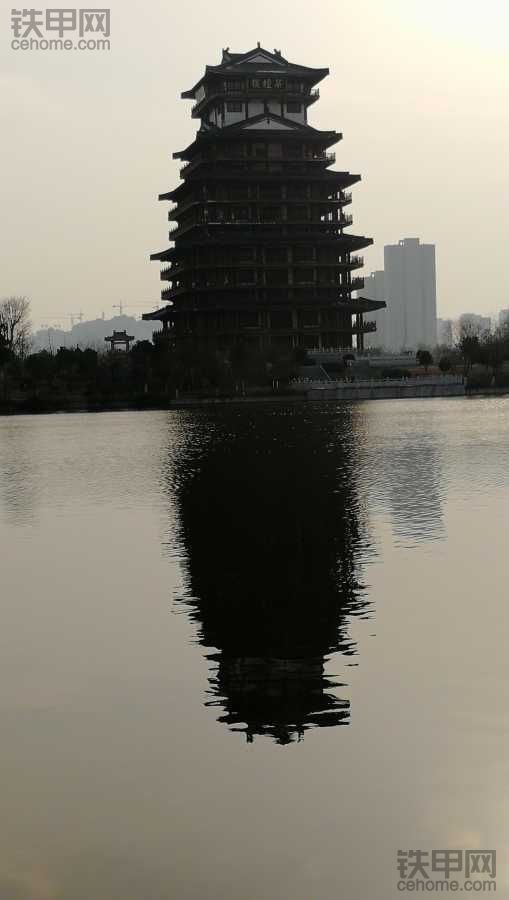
(268, 530)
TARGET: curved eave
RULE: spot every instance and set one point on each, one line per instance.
(159, 315)
(163, 255)
(344, 179)
(345, 241)
(363, 304)
(357, 241)
(306, 132)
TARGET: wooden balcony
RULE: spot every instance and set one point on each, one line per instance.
(246, 93)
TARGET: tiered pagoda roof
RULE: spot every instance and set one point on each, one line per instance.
(260, 253)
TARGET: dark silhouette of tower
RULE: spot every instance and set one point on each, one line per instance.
(268, 526)
(261, 255)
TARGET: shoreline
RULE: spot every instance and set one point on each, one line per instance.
(293, 398)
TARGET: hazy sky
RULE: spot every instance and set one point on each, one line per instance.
(418, 89)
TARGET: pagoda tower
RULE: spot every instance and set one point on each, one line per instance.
(260, 253)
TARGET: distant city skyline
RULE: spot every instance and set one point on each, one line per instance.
(89, 333)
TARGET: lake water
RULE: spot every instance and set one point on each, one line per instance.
(251, 652)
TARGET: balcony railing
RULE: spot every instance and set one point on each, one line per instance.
(246, 91)
(192, 164)
(364, 327)
(241, 156)
(162, 334)
(182, 207)
(170, 292)
(345, 220)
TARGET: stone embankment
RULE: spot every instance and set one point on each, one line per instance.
(386, 388)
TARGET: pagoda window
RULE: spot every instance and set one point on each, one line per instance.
(302, 254)
(275, 255)
(294, 151)
(293, 107)
(295, 87)
(296, 192)
(234, 106)
(309, 318)
(248, 319)
(239, 193)
(303, 276)
(326, 276)
(246, 276)
(276, 277)
(240, 214)
(297, 214)
(270, 214)
(275, 151)
(270, 192)
(280, 319)
(259, 150)
(317, 192)
(234, 85)
(244, 254)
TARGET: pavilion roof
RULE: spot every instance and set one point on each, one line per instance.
(253, 61)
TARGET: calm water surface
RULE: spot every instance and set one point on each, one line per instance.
(250, 653)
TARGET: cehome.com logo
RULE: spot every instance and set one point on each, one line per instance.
(49, 29)
(428, 871)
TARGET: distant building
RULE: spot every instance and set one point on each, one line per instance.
(90, 334)
(473, 324)
(410, 290)
(503, 318)
(445, 332)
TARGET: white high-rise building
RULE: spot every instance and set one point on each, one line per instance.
(410, 291)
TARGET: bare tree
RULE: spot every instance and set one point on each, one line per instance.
(15, 324)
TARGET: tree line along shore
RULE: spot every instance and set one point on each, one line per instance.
(152, 374)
